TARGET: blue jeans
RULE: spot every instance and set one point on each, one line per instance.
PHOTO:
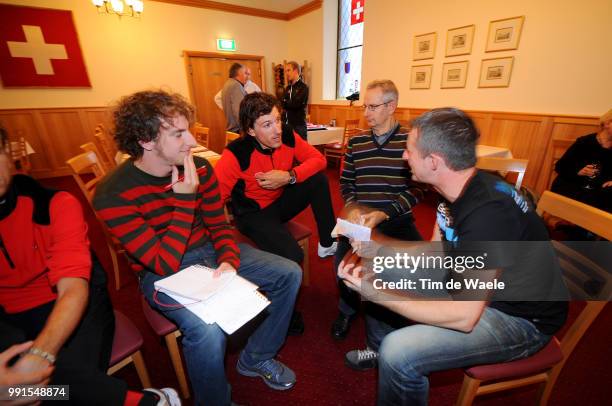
(204, 344)
(408, 355)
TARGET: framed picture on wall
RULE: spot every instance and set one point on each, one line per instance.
(504, 34)
(454, 75)
(496, 72)
(420, 76)
(424, 46)
(459, 40)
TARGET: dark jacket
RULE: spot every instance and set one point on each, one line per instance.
(294, 102)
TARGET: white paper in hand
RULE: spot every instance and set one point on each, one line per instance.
(352, 231)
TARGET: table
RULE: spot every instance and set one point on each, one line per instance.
(327, 136)
(211, 156)
(489, 151)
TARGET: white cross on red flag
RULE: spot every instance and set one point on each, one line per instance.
(39, 47)
(357, 11)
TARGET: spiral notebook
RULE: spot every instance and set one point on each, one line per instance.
(229, 300)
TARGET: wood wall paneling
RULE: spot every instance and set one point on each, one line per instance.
(56, 134)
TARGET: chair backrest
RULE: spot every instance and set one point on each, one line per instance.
(200, 133)
(597, 221)
(106, 146)
(231, 136)
(19, 155)
(504, 165)
(559, 147)
(82, 166)
(91, 147)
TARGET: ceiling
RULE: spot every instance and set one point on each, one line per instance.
(281, 6)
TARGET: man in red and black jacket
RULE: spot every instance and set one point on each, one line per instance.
(271, 174)
(54, 306)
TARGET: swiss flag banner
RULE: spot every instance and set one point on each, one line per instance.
(39, 47)
(357, 11)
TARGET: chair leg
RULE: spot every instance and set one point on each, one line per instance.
(546, 389)
(306, 264)
(177, 363)
(113, 255)
(468, 391)
(141, 369)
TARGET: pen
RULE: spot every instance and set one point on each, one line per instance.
(200, 171)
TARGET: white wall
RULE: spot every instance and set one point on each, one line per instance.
(126, 55)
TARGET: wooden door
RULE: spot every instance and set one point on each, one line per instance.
(206, 74)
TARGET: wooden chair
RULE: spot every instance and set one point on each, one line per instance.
(19, 155)
(545, 366)
(91, 147)
(201, 134)
(126, 349)
(504, 165)
(558, 149)
(82, 166)
(167, 329)
(231, 136)
(106, 146)
(336, 150)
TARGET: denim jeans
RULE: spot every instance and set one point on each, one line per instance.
(204, 344)
(408, 355)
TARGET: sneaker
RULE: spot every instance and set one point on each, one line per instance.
(361, 360)
(296, 325)
(166, 396)
(274, 373)
(327, 251)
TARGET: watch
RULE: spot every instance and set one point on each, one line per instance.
(292, 178)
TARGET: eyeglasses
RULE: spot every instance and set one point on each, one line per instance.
(373, 107)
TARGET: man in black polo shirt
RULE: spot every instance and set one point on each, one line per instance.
(475, 207)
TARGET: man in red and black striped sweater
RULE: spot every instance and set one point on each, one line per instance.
(167, 223)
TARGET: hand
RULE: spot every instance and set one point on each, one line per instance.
(14, 376)
(353, 214)
(607, 184)
(589, 170)
(190, 181)
(350, 271)
(273, 179)
(224, 267)
(366, 249)
(374, 218)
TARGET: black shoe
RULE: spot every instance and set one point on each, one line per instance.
(296, 325)
(361, 360)
(341, 326)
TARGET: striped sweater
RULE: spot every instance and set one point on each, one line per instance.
(376, 175)
(157, 227)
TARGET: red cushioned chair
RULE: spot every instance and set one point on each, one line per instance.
(545, 366)
(126, 349)
(167, 329)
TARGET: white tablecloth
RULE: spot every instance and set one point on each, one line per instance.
(497, 152)
(331, 134)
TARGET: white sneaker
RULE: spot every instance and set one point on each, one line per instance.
(327, 251)
(167, 396)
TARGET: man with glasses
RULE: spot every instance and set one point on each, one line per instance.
(378, 193)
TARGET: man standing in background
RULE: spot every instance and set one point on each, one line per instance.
(249, 87)
(295, 99)
(232, 94)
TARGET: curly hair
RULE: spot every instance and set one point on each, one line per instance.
(253, 106)
(138, 117)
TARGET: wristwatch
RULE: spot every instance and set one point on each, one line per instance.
(292, 178)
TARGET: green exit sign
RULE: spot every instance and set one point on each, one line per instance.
(226, 44)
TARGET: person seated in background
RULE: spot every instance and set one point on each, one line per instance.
(585, 170)
(271, 174)
(377, 191)
(54, 307)
(167, 223)
(479, 329)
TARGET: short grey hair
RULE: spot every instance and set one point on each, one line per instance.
(605, 117)
(450, 133)
(233, 72)
(388, 88)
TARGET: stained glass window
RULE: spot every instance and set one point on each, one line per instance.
(350, 46)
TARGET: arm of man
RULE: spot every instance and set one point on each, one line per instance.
(347, 179)
(236, 95)
(570, 163)
(219, 100)
(213, 217)
(159, 253)
(227, 171)
(69, 264)
(311, 161)
(298, 99)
